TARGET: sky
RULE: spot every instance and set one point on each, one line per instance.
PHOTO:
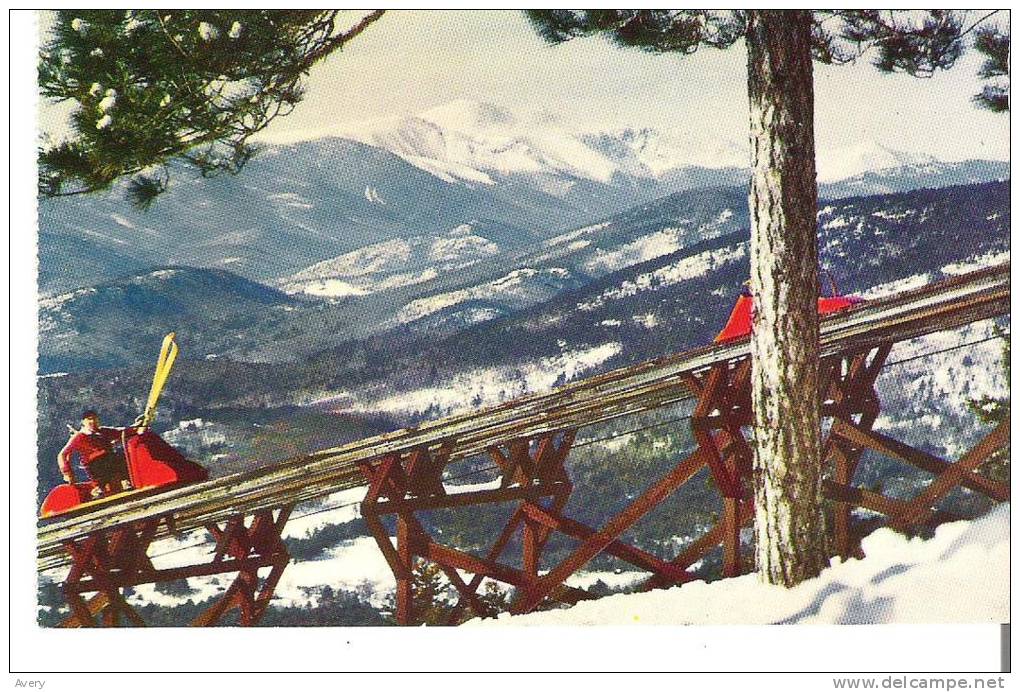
(410, 61)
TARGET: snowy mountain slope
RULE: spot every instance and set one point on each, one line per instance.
(657, 277)
(402, 262)
(847, 162)
(480, 143)
(679, 301)
(644, 232)
(900, 580)
(914, 176)
(124, 320)
(862, 241)
(482, 270)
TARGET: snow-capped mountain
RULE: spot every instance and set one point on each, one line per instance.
(484, 144)
(480, 143)
(846, 162)
(528, 176)
(915, 176)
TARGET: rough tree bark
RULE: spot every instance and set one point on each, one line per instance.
(790, 544)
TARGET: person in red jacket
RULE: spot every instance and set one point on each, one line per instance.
(102, 462)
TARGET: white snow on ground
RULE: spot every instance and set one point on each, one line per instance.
(483, 386)
(423, 307)
(687, 268)
(56, 301)
(348, 566)
(457, 246)
(894, 216)
(103, 236)
(893, 287)
(518, 284)
(573, 235)
(645, 248)
(961, 575)
(332, 288)
(291, 199)
(989, 259)
(372, 195)
(648, 320)
(614, 580)
(838, 222)
(371, 259)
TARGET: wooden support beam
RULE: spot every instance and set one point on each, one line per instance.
(83, 612)
(868, 499)
(934, 308)
(731, 566)
(890, 447)
(635, 556)
(922, 506)
(458, 559)
(154, 576)
(405, 584)
(700, 547)
(530, 597)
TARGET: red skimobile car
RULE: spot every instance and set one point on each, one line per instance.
(739, 323)
(152, 464)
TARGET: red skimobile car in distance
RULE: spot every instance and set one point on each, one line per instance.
(739, 323)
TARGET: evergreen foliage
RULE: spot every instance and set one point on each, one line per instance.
(917, 42)
(178, 587)
(192, 86)
(995, 46)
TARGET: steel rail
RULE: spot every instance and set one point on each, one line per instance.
(937, 307)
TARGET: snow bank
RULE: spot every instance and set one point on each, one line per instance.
(961, 575)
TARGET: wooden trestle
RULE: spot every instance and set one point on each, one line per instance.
(533, 475)
(529, 440)
(106, 562)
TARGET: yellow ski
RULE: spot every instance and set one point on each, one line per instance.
(167, 356)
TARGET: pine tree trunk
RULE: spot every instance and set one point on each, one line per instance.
(784, 280)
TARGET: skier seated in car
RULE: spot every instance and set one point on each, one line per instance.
(96, 449)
